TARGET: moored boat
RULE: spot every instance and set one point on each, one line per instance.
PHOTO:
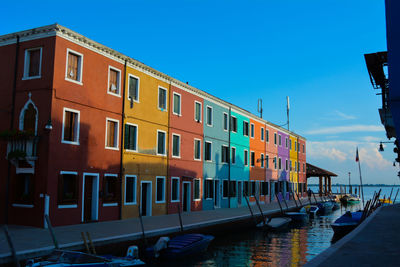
(346, 223)
(300, 216)
(276, 223)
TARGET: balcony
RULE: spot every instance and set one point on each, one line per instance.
(22, 153)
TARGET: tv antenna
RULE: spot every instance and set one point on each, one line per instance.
(287, 111)
(259, 107)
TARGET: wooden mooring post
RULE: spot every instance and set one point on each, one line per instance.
(180, 216)
(396, 196)
(11, 245)
(53, 236)
(142, 226)
(251, 211)
(259, 207)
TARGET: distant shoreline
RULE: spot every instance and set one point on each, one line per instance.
(366, 185)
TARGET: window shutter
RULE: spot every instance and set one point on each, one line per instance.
(34, 62)
(67, 126)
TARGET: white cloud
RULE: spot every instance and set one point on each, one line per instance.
(347, 129)
(341, 116)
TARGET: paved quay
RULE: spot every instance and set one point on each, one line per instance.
(31, 242)
(375, 242)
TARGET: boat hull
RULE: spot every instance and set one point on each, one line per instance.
(182, 246)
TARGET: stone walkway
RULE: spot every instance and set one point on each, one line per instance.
(31, 242)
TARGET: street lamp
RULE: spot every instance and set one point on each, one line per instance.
(381, 149)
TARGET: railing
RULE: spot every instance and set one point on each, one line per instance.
(23, 148)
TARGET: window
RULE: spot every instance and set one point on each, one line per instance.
(197, 149)
(110, 188)
(262, 160)
(295, 166)
(267, 161)
(225, 188)
(246, 188)
(68, 188)
(130, 142)
(162, 98)
(161, 143)
(160, 189)
(304, 150)
(280, 140)
(246, 158)
(232, 188)
(286, 165)
(245, 128)
(177, 104)
(33, 63)
(207, 151)
(295, 146)
(114, 81)
(262, 134)
(264, 188)
(252, 130)
(253, 188)
(290, 165)
(209, 116)
(233, 152)
(174, 189)
(176, 140)
(298, 147)
(274, 138)
(225, 154)
(74, 66)
(275, 163)
(304, 168)
(133, 89)
(111, 134)
(70, 132)
(209, 190)
(196, 190)
(226, 122)
(233, 124)
(252, 158)
(286, 142)
(290, 144)
(197, 111)
(298, 166)
(130, 189)
(280, 163)
(267, 135)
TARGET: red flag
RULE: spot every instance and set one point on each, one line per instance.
(357, 159)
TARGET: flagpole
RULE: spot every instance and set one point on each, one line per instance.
(359, 169)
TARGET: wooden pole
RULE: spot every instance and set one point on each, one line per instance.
(284, 201)
(91, 243)
(301, 204)
(85, 242)
(11, 245)
(142, 226)
(395, 196)
(180, 216)
(390, 197)
(248, 205)
(259, 207)
(53, 236)
(279, 202)
(316, 202)
(361, 183)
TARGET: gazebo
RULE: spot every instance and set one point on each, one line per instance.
(314, 171)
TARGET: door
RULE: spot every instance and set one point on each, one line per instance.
(90, 197)
(145, 198)
(186, 196)
(240, 192)
(216, 193)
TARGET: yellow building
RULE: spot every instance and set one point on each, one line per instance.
(293, 161)
(144, 174)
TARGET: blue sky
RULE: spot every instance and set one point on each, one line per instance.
(311, 51)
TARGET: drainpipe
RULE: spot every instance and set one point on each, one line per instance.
(229, 159)
(168, 185)
(121, 165)
(14, 92)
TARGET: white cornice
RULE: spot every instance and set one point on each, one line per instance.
(63, 32)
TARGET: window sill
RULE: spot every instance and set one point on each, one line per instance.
(112, 148)
(129, 203)
(22, 205)
(31, 77)
(110, 204)
(197, 160)
(175, 201)
(162, 109)
(176, 157)
(73, 81)
(114, 94)
(134, 100)
(131, 151)
(160, 202)
(196, 200)
(70, 142)
(67, 206)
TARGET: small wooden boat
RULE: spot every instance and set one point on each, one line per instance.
(300, 216)
(67, 258)
(276, 223)
(350, 199)
(180, 246)
(346, 223)
(312, 210)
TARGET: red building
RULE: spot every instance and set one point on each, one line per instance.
(61, 130)
(185, 169)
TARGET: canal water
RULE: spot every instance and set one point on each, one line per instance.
(254, 247)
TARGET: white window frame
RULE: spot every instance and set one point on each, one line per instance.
(80, 67)
(179, 146)
(68, 206)
(180, 104)
(233, 162)
(194, 181)
(207, 122)
(275, 139)
(262, 160)
(77, 127)
(165, 143)
(27, 62)
(286, 142)
(295, 145)
(228, 156)
(279, 163)
(275, 163)
(117, 134)
(266, 161)
(248, 128)
(137, 136)
(212, 188)
(266, 134)
(227, 189)
(232, 130)
(246, 158)
(262, 136)
(194, 149)
(280, 139)
(110, 204)
(201, 111)
(166, 98)
(227, 121)
(178, 195)
(252, 130)
(134, 188)
(254, 153)
(118, 81)
(138, 88)
(286, 165)
(210, 160)
(164, 188)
